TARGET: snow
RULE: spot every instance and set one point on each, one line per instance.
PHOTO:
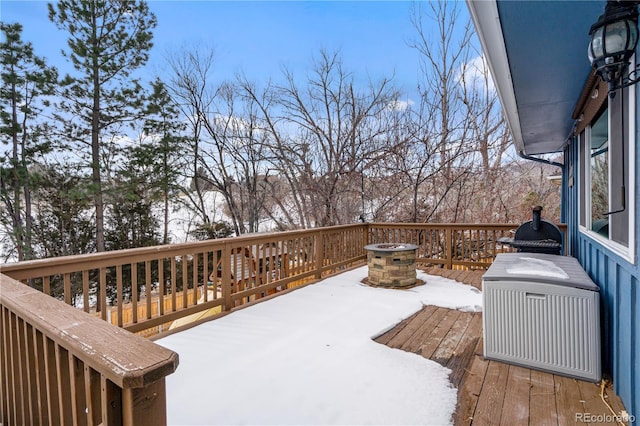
(184, 219)
(308, 357)
(536, 267)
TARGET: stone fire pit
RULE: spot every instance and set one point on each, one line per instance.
(392, 264)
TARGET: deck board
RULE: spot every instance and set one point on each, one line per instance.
(470, 388)
(516, 406)
(491, 398)
(568, 398)
(465, 351)
(493, 392)
(426, 319)
(420, 338)
(437, 335)
(542, 399)
(591, 401)
(447, 347)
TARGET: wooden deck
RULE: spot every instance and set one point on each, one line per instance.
(492, 392)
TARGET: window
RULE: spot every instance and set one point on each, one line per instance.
(606, 169)
(599, 173)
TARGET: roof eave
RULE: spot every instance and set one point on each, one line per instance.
(489, 29)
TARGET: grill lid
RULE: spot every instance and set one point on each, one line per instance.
(536, 235)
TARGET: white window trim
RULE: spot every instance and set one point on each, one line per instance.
(631, 182)
(627, 253)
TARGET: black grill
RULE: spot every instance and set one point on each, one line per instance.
(536, 236)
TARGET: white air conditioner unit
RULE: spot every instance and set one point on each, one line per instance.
(542, 311)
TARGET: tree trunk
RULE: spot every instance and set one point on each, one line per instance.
(95, 149)
(16, 214)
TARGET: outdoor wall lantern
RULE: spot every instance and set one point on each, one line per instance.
(613, 41)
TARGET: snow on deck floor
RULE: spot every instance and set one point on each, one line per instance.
(308, 357)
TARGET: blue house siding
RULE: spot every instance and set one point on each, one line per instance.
(620, 300)
(618, 280)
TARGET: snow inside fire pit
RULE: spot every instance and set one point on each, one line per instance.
(388, 246)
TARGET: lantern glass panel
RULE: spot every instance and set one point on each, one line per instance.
(616, 37)
(595, 47)
(633, 34)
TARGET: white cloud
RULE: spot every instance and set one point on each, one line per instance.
(476, 75)
(123, 141)
(400, 105)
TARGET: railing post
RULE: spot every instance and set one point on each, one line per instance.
(225, 262)
(319, 253)
(366, 240)
(145, 406)
(449, 247)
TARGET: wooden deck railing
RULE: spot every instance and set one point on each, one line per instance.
(451, 246)
(146, 290)
(60, 366)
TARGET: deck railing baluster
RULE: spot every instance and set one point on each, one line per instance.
(173, 275)
(119, 294)
(133, 301)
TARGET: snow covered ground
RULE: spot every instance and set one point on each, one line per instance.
(308, 357)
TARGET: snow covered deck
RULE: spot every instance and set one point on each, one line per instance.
(339, 352)
(308, 357)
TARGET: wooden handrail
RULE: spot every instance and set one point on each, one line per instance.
(63, 366)
(66, 264)
(145, 290)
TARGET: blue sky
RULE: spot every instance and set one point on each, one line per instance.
(259, 38)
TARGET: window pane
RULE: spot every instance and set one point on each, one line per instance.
(599, 173)
(620, 113)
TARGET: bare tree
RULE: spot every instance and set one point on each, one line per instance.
(287, 205)
(227, 150)
(326, 133)
(490, 136)
(190, 88)
(467, 128)
(235, 160)
(444, 46)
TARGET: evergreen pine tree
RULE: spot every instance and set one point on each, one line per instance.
(108, 40)
(25, 86)
(165, 146)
